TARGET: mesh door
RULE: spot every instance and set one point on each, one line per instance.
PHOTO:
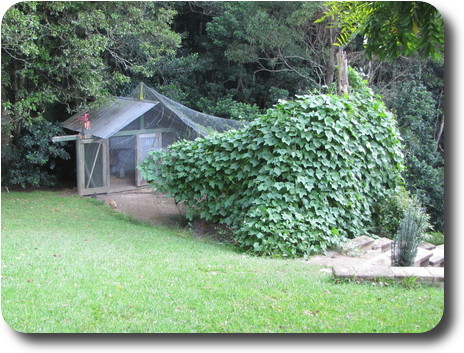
(145, 144)
(122, 157)
(92, 166)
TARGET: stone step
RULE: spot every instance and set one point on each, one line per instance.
(422, 258)
(384, 259)
(362, 242)
(428, 264)
(382, 244)
(369, 248)
(438, 257)
(423, 274)
(426, 246)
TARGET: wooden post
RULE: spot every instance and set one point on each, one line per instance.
(141, 91)
(64, 138)
(343, 84)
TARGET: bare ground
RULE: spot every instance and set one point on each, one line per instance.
(147, 206)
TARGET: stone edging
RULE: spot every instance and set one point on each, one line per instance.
(429, 275)
(379, 267)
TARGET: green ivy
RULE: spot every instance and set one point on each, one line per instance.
(302, 178)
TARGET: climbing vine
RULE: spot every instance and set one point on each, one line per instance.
(298, 180)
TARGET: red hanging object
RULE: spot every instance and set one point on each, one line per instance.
(84, 121)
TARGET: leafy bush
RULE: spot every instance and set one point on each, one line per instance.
(435, 238)
(410, 232)
(302, 178)
(228, 108)
(390, 212)
(29, 161)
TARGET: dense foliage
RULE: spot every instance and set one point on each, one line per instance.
(418, 116)
(302, 178)
(31, 161)
(252, 52)
(390, 212)
(75, 52)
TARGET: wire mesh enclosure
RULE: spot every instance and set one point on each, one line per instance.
(118, 136)
(200, 124)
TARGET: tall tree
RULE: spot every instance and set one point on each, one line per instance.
(276, 38)
(238, 56)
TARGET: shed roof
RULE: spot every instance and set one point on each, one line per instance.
(111, 117)
(120, 112)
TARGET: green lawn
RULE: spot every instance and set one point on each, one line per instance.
(71, 264)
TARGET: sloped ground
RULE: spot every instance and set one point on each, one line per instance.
(150, 207)
(147, 206)
(359, 254)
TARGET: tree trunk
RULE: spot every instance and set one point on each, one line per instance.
(343, 84)
(439, 134)
(329, 77)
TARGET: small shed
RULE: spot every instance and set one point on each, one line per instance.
(113, 139)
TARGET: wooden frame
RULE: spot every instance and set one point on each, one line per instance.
(143, 132)
(83, 187)
(102, 158)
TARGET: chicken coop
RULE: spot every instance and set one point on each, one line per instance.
(113, 139)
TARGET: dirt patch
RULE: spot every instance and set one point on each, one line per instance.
(147, 206)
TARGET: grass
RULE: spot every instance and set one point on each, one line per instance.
(72, 264)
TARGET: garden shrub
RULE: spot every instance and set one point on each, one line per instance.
(410, 232)
(31, 159)
(302, 178)
(435, 238)
(390, 212)
(227, 107)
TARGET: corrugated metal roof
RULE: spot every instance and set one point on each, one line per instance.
(111, 118)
